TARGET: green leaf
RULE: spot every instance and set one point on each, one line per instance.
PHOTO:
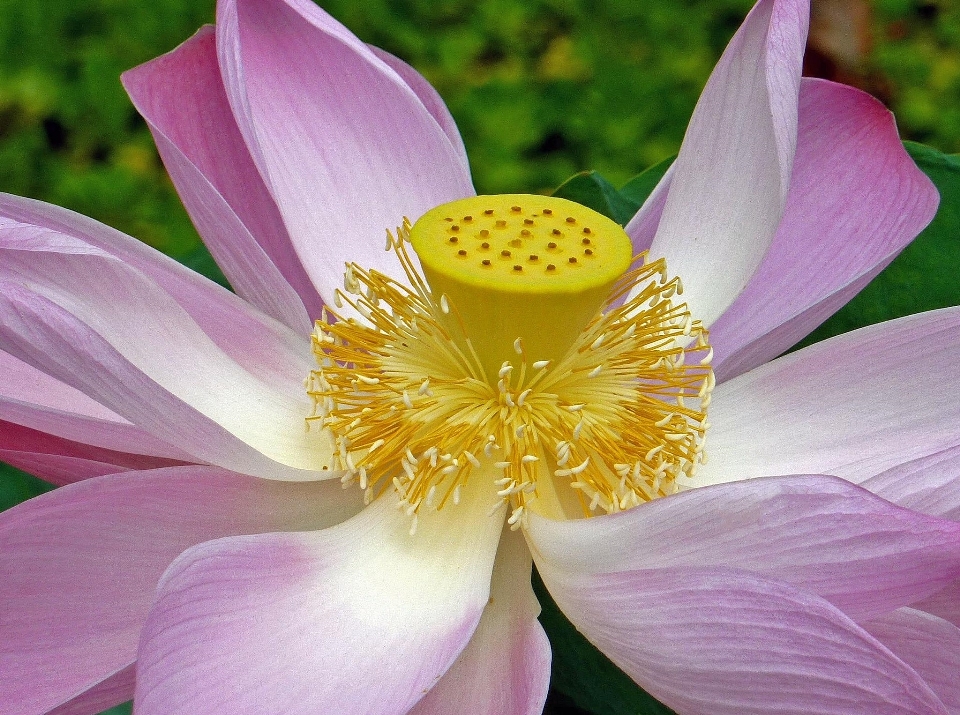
(924, 276)
(593, 191)
(642, 185)
(17, 486)
(123, 709)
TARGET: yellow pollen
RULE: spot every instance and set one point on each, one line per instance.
(581, 384)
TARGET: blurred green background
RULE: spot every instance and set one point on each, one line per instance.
(540, 89)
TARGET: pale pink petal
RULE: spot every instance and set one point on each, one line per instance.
(360, 618)
(856, 199)
(732, 173)
(81, 564)
(431, 100)
(62, 461)
(506, 666)
(929, 645)
(945, 603)
(110, 692)
(929, 484)
(642, 228)
(42, 332)
(727, 642)
(852, 406)
(33, 399)
(181, 96)
(820, 534)
(260, 344)
(346, 146)
(96, 323)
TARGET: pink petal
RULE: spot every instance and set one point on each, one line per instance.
(81, 564)
(856, 199)
(733, 170)
(360, 618)
(346, 146)
(92, 321)
(62, 461)
(110, 692)
(258, 343)
(506, 666)
(431, 100)
(944, 604)
(852, 406)
(929, 484)
(820, 534)
(717, 641)
(181, 96)
(33, 399)
(929, 645)
(642, 228)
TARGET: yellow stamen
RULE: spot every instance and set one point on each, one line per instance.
(527, 369)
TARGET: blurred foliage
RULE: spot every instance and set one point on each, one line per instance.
(541, 89)
(915, 64)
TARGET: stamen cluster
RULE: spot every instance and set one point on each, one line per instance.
(619, 418)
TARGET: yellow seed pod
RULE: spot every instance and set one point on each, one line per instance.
(508, 261)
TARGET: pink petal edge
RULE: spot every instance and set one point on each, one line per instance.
(929, 645)
(346, 146)
(727, 642)
(99, 311)
(506, 666)
(357, 618)
(731, 178)
(62, 461)
(81, 564)
(852, 406)
(32, 399)
(819, 534)
(250, 338)
(181, 96)
(856, 199)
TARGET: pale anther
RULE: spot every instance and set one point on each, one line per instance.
(578, 429)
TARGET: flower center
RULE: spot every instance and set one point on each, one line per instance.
(529, 347)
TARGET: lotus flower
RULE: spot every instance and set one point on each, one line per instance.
(203, 553)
